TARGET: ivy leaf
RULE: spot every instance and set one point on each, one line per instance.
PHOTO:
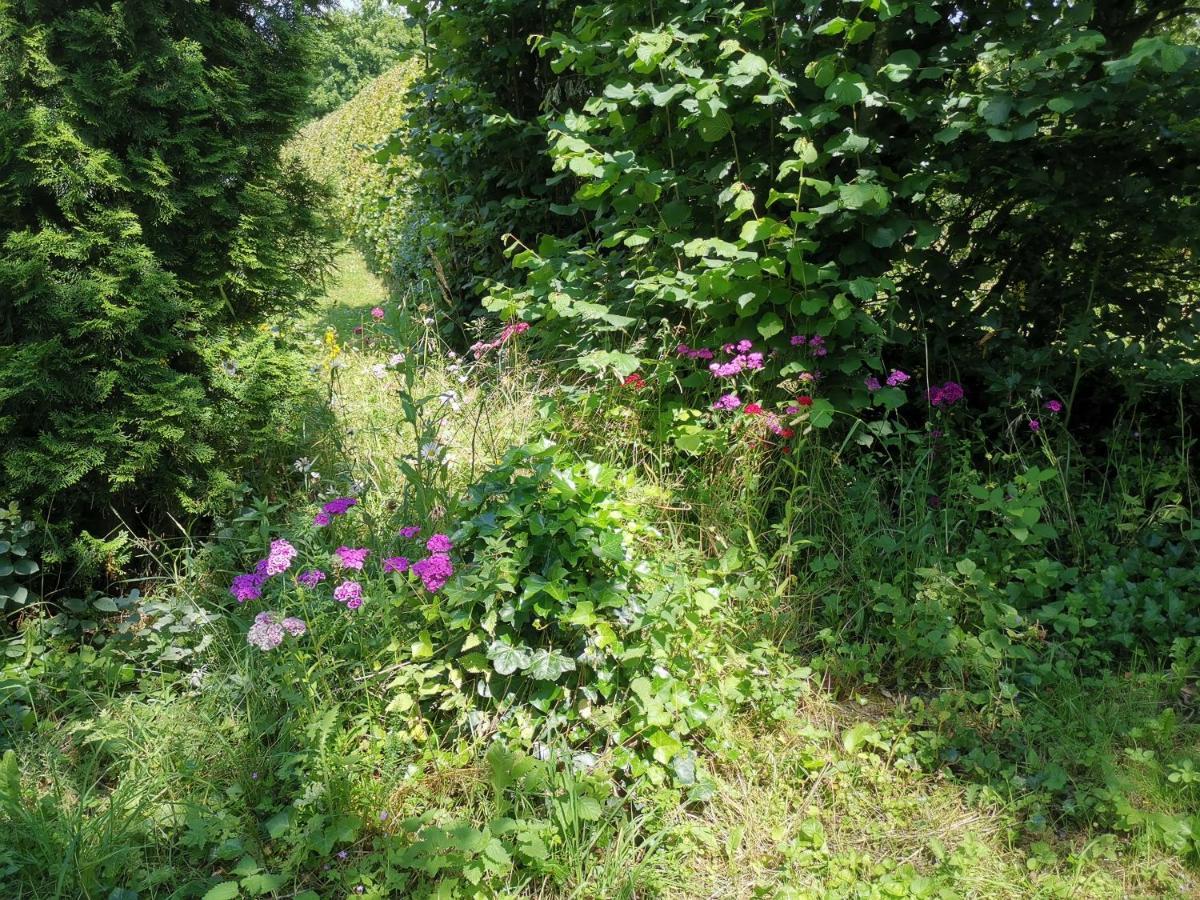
(550, 665)
(507, 659)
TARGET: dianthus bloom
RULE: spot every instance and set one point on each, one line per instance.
(311, 577)
(872, 383)
(1053, 405)
(321, 519)
(339, 506)
(395, 564)
(946, 395)
(797, 340)
(753, 409)
(410, 531)
(293, 626)
(816, 344)
(744, 346)
(377, 312)
(804, 401)
(897, 378)
(434, 572)
(1034, 425)
(635, 381)
(727, 401)
(352, 557)
(439, 543)
(694, 352)
(479, 348)
(247, 587)
(350, 593)
(266, 633)
(280, 558)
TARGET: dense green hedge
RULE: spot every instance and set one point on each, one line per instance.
(1004, 193)
(147, 228)
(374, 204)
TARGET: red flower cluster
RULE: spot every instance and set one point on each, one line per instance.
(635, 381)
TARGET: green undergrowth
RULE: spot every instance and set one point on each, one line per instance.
(632, 687)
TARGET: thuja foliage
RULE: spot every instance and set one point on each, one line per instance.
(1005, 192)
(148, 226)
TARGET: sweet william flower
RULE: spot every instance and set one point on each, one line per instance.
(352, 557)
(377, 312)
(395, 564)
(1053, 406)
(439, 543)
(872, 383)
(410, 531)
(752, 409)
(350, 593)
(804, 401)
(310, 577)
(1034, 425)
(727, 402)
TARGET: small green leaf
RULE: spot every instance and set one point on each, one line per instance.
(507, 659)
(226, 890)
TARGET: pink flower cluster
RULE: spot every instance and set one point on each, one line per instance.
(310, 578)
(410, 531)
(395, 564)
(377, 312)
(694, 352)
(268, 631)
(436, 569)
(279, 560)
(741, 362)
(815, 344)
(894, 379)
(727, 402)
(1053, 406)
(350, 593)
(351, 557)
(479, 348)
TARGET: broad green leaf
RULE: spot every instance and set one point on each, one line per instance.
(847, 89)
(769, 325)
(226, 890)
(549, 665)
(507, 659)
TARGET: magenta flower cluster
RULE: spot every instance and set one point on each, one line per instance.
(727, 402)
(479, 348)
(436, 569)
(816, 344)
(742, 362)
(410, 531)
(249, 586)
(351, 557)
(310, 578)
(694, 352)
(946, 395)
(350, 593)
(398, 564)
(332, 509)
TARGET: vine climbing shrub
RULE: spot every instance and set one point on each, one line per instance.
(971, 187)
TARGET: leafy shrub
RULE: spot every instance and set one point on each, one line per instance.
(148, 224)
(765, 171)
(356, 46)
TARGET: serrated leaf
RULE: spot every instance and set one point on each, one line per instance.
(226, 890)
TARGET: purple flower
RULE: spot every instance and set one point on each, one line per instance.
(1053, 405)
(293, 626)
(350, 593)
(377, 312)
(339, 506)
(321, 519)
(410, 531)
(727, 402)
(342, 854)
(816, 344)
(280, 558)
(744, 346)
(797, 340)
(726, 370)
(872, 383)
(395, 564)
(1034, 425)
(897, 378)
(311, 577)
(260, 568)
(434, 572)
(247, 587)
(439, 543)
(946, 395)
(352, 557)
